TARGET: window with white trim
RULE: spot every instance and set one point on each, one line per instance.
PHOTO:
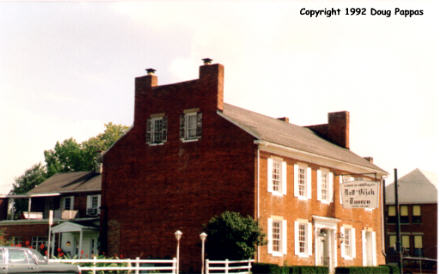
(303, 238)
(348, 247)
(324, 186)
(302, 182)
(93, 204)
(157, 126)
(276, 176)
(67, 203)
(190, 125)
(277, 236)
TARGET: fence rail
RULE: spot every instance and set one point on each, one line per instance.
(227, 266)
(136, 265)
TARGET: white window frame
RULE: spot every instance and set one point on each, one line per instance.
(348, 233)
(90, 202)
(321, 175)
(283, 236)
(161, 131)
(308, 248)
(72, 203)
(282, 185)
(307, 180)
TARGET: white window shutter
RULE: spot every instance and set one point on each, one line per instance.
(269, 235)
(309, 239)
(343, 244)
(353, 243)
(318, 184)
(309, 183)
(99, 203)
(269, 174)
(295, 180)
(284, 237)
(89, 201)
(373, 247)
(364, 249)
(284, 178)
(72, 203)
(340, 189)
(330, 186)
(296, 238)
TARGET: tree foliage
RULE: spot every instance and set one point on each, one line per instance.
(232, 236)
(65, 157)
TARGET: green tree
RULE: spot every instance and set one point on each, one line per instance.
(66, 157)
(232, 236)
(31, 177)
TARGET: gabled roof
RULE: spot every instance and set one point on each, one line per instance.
(292, 136)
(415, 187)
(81, 181)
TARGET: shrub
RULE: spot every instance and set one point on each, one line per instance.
(363, 270)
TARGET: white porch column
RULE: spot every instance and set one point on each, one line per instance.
(52, 247)
(80, 243)
(29, 205)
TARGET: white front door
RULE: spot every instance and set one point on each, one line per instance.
(323, 248)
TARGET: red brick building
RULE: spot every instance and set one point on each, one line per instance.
(418, 219)
(190, 156)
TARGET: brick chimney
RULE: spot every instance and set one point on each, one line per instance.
(369, 159)
(284, 119)
(337, 130)
(143, 86)
(211, 80)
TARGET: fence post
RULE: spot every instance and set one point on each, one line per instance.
(94, 265)
(249, 266)
(137, 265)
(207, 266)
(174, 265)
(227, 266)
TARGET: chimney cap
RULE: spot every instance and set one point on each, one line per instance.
(207, 61)
(150, 71)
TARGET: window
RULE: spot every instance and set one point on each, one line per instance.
(404, 214)
(277, 236)
(324, 186)
(17, 256)
(405, 244)
(276, 176)
(67, 203)
(190, 125)
(157, 126)
(348, 247)
(416, 214)
(302, 182)
(418, 245)
(392, 242)
(93, 204)
(303, 238)
(391, 215)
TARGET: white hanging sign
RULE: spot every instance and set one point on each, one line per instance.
(360, 194)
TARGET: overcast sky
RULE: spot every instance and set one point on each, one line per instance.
(67, 68)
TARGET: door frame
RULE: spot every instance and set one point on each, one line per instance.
(331, 225)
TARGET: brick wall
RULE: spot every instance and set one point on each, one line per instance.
(190, 182)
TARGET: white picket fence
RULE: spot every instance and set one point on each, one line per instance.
(227, 266)
(136, 265)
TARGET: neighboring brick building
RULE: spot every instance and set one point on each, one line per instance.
(189, 156)
(74, 198)
(418, 217)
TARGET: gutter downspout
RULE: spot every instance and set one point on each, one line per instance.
(382, 219)
(258, 195)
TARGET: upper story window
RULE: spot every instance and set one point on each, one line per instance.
(276, 176)
(67, 203)
(404, 219)
(302, 182)
(277, 236)
(324, 186)
(157, 126)
(348, 248)
(93, 204)
(303, 238)
(191, 125)
(391, 214)
(416, 214)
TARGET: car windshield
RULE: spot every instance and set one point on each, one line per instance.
(37, 255)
